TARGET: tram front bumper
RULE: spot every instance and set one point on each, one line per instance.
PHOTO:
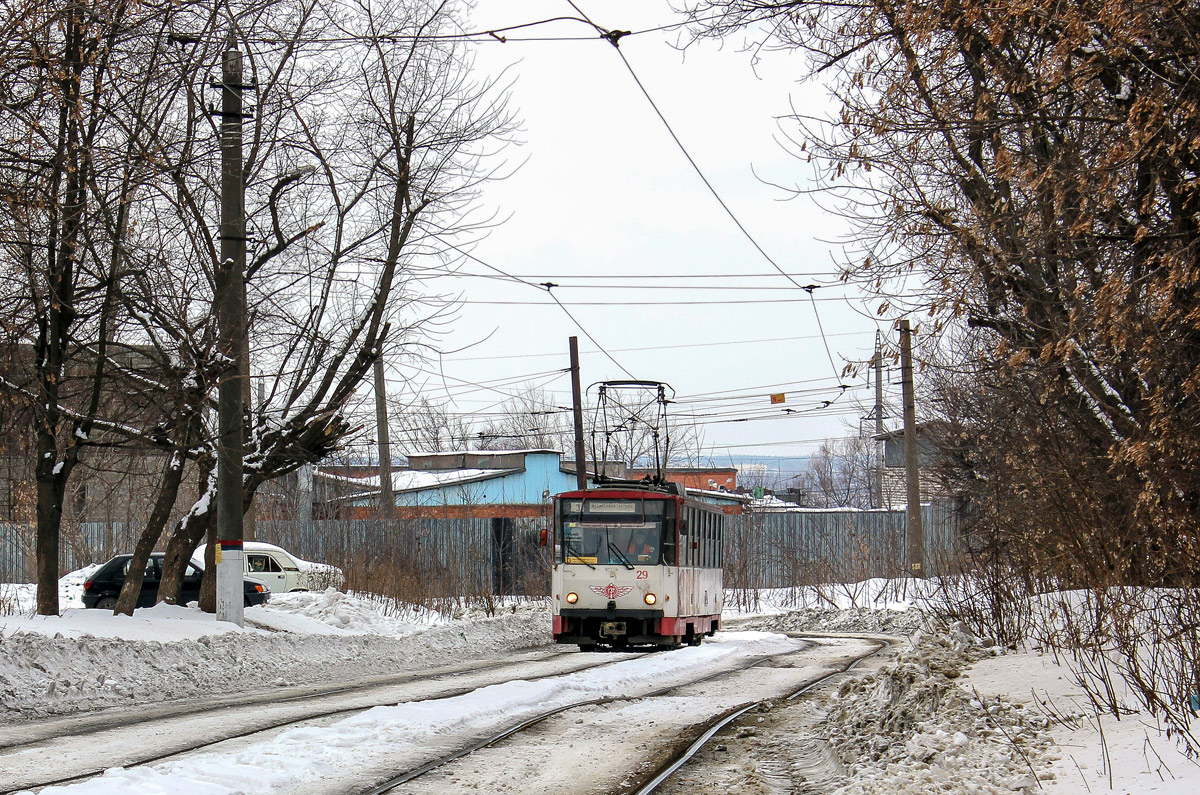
(584, 625)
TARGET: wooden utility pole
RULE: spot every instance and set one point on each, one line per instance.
(577, 408)
(916, 533)
(387, 501)
(230, 303)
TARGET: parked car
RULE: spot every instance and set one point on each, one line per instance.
(103, 587)
(281, 570)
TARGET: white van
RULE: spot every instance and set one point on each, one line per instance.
(282, 571)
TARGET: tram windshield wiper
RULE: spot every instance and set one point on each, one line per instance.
(567, 553)
(620, 555)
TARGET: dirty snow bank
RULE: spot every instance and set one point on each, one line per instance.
(886, 622)
(43, 673)
(913, 728)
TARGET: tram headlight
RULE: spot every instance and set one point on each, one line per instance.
(651, 598)
(572, 598)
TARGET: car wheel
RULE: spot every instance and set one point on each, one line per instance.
(106, 603)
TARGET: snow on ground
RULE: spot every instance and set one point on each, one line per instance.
(91, 659)
(1087, 749)
(950, 714)
(300, 759)
(332, 612)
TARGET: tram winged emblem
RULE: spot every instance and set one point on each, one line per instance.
(612, 590)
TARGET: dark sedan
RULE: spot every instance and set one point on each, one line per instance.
(103, 587)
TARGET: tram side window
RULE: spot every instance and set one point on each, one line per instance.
(693, 529)
(720, 541)
(668, 535)
(685, 537)
(708, 541)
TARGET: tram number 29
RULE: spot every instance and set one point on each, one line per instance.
(642, 574)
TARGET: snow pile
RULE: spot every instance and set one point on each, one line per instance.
(44, 672)
(331, 612)
(911, 728)
(888, 622)
(17, 598)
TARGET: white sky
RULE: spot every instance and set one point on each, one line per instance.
(604, 191)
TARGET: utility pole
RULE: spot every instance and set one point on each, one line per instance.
(249, 517)
(916, 533)
(577, 407)
(230, 303)
(878, 419)
(387, 501)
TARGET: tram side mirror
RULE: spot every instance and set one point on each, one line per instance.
(545, 536)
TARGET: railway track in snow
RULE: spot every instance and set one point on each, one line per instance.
(24, 751)
(661, 762)
(656, 766)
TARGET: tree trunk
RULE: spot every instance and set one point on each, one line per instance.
(187, 534)
(167, 492)
(49, 520)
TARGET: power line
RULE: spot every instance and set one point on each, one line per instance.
(547, 288)
(614, 38)
(663, 347)
(654, 275)
(486, 302)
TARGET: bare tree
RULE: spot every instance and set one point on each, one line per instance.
(367, 147)
(368, 140)
(532, 419)
(841, 474)
(1031, 167)
(427, 427)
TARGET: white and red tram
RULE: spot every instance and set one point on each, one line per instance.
(636, 565)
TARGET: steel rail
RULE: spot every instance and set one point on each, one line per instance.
(276, 725)
(409, 775)
(710, 729)
(98, 722)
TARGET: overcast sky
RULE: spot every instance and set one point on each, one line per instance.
(603, 191)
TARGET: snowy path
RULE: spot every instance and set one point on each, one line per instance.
(353, 752)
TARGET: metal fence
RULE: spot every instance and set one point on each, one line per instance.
(780, 550)
(448, 557)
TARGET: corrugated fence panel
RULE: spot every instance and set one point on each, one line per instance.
(454, 557)
(779, 550)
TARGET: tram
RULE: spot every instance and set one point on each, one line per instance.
(636, 564)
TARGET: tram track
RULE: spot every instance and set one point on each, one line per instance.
(680, 754)
(96, 725)
(709, 730)
(82, 725)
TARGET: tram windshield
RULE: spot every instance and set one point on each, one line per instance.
(613, 532)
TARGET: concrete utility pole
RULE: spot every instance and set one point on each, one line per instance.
(387, 501)
(577, 407)
(916, 533)
(878, 420)
(231, 324)
(249, 517)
